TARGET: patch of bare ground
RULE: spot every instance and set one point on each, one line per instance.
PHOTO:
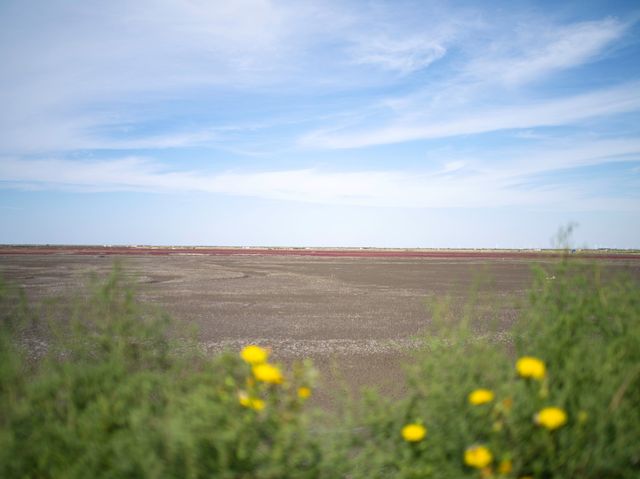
(358, 318)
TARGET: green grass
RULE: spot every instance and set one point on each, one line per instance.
(113, 397)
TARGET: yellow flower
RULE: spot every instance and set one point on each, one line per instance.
(414, 432)
(505, 467)
(252, 403)
(256, 404)
(304, 392)
(480, 396)
(530, 367)
(267, 373)
(253, 354)
(551, 418)
(243, 398)
(478, 457)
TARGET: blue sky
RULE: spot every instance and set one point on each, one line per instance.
(255, 122)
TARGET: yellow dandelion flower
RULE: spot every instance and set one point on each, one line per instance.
(257, 404)
(530, 367)
(304, 392)
(414, 432)
(551, 418)
(478, 457)
(480, 396)
(253, 354)
(243, 399)
(268, 373)
(247, 401)
(505, 467)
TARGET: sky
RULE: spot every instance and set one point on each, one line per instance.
(322, 123)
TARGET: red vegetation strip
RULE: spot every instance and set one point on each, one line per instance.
(333, 253)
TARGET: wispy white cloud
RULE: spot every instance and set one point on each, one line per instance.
(404, 56)
(79, 135)
(403, 39)
(572, 153)
(456, 183)
(69, 70)
(474, 99)
(83, 68)
(540, 50)
(412, 126)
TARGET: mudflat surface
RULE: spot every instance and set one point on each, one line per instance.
(357, 317)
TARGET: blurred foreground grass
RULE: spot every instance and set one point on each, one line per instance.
(113, 397)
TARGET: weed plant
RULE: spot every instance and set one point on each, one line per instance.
(111, 400)
(559, 400)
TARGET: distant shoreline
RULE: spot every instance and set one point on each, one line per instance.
(453, 253)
